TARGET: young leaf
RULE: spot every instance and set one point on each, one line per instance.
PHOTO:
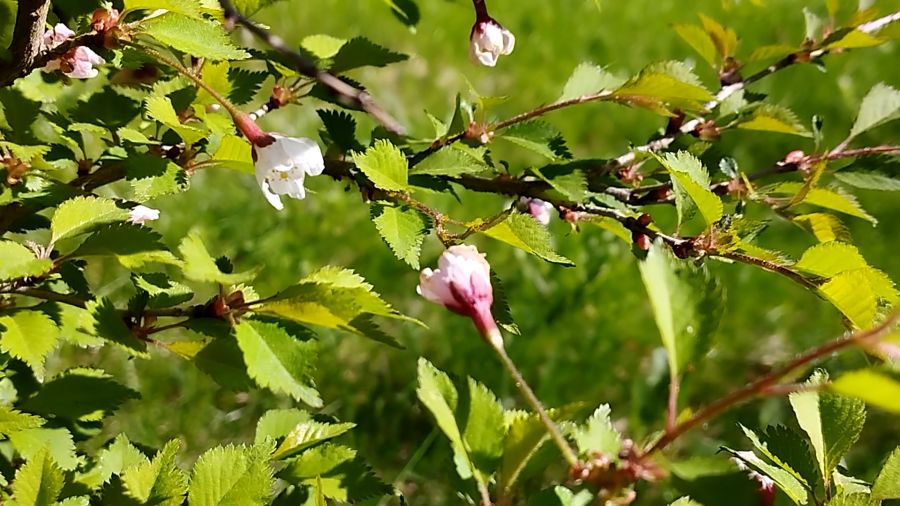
(75, 216)
(774, 118)
(685, 501)
(665, 83)
(880, 105)
(223, 361)
(117, 457)
(277, 423)
(833, 199)
(691, 178)
(587, 79)
(38, 482)
(438, 394)
(132, 245)
(161, 291)
(700, 40)
(20, 262)
(784, 480)
(336, 472)
(403, 229)
(874, 387)
(599, 435)
(279, 361)
(452, 161)
(825, 227)
(483, 429)
(852, 294)
(158, 481)
(887, 484)
(58, 442)
(869, 181)
(13, 421)
(384, 165)
(187, 7)
(524, 232)
(308, 434)
(536, 135)
(361, 52)
(776, 459)
(29, 336)
(853, 499)
(200, 266)
(161, 109)
(231, 475)
(687, 305)
(197, 37)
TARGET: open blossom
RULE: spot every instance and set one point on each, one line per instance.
(462, 283)
(77, 63)
(140, 214)
(281, 162)
(488, 40)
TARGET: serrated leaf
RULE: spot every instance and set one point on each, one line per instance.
(322, 45)
(724, 39)
(361, 52)
(234, 153)
(869, 181)
(599, 435)
(308, 434)
(685, 501)
(341, 127)
(872, 386)
(117, 457)
(880, 105)
(161, 109)
(853, 499)
(830, 259)
(29, 336)
(279, 361)
(763, 448)
(384, 165)
(38, 482)
(231, 475)
(668, 82)
(438, 394)
(223, 361)
(573, 185)
(336, 472)
(197, 37)
(245, 84)
(587, 79)
(853, 295)
(794, 450)
(833, 199)
(851, 39)
(277, 423)
(887, 484)
(158, 481)
(452, 161)
(787, 483)
(700, 40)
(187, 7)
(162, 292)
(132, 245)
(774, 118)
(691, 178)
(687, 305)
(524, 232)
(77, 215)
(105, 321)
(535, 135)
(58, 442)
(825, 227)
(21, 262)
(12, 420)
(403, 229)
(483, 429)
(199, 265)
(80, 394)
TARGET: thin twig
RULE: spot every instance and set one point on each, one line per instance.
(346, 93)
(767, 383)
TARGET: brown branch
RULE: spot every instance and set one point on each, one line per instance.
(767, 384)
(345, 93)
(31, 16)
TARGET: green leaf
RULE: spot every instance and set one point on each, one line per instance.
(685, 501)
(160, 108)
(853, 499)
(80, 394)
(277, 423)
(307, 434)
(833, 199)
(161, 291)
(29, 336)
(699, 40)
(691, 178)
(483, 429)
(245, 84)
(774, 118)
(278, 361)
(406, 11)
(31, 442)
(598, 435)
(825, 227)
(75, 216)
(869, 181)
(880, 105)
(322, 45)
(887, 484)
(197, 37)
(687, 305)
(403, 229)
(234, 153)
(453, 160)
(117, 457)
(832, 422)
(668, 82)
(763, 448)
(106, 321)
(336, 472)
(830, 259)
(784, 480)
(200, 266)
(851, 39)
(159, 481)
(341, 127)
(872, 386)
(853, 295)
(223, 361)
(215, 75)
(132, 245)
(38, 482)
(12, 420)
(384, 165)
(438, 394)
(231, 475)
(20, 262)
(361, 52)
(573, 185)
(587, 79)
(535, 135)
(524, 232)
(187, 7)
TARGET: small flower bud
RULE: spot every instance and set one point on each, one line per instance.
(642, 241)
(141, 214)
(488, 40)
(538, 209)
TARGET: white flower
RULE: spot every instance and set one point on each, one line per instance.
(488, 41)
(140, 214)
(77, 63)
(540, 210)
(282, 165)
(462, 284)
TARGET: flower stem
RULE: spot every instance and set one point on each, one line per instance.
(522, 385)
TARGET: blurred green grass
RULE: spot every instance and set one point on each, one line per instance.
(588, 335)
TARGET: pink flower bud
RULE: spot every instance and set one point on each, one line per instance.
(540, 210)
(77, 63)
(140, 214)
(462, 284)
(488, 40)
